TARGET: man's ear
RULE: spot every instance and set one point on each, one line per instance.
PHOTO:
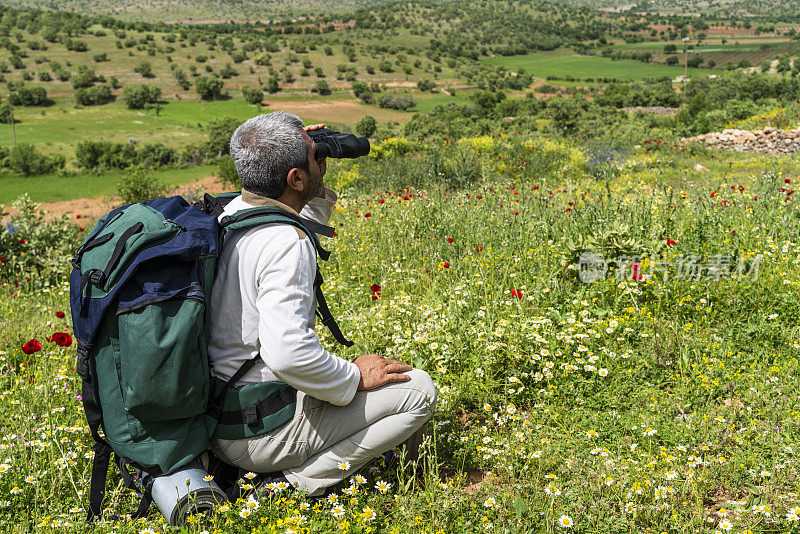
(294, 180)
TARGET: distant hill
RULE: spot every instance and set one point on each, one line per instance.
(772, 9)
(195, 10)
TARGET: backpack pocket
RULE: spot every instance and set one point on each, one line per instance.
(162, 357)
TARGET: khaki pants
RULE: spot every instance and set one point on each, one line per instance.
(310, 448)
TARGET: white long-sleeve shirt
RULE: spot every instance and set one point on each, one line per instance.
(263, 303)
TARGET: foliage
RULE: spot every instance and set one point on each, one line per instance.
(366, 126)
(253, 95)
(227, 174)
(139, 96)
(30, 96)
(35, 251)
(219, 132)
(94, 96)
(96, 156)
(401, 102)
(209, 87)
(137, 185)
(26, 160)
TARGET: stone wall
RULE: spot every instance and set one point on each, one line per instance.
(767, 141)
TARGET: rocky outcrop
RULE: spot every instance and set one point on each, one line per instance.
(767, 141)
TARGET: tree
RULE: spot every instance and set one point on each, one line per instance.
(30, 96)
(145, 69)
(137, 185)
(24, 159)
(253, 95)
(366, 126)
(426, 85)
(138, 96)
(672, 60)
(209, 87)
(85, 77)
(94, 96)
(321, 87)
(272, 84)
(219, 132)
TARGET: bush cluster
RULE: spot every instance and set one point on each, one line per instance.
(98, 156)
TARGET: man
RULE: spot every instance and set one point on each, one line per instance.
(263, 304)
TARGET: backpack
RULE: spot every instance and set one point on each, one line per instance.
(138, 292)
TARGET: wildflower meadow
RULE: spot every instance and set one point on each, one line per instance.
(658, 395)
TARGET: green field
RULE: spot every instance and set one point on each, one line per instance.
(55, 188)
(562, 63)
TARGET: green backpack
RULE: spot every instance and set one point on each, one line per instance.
(138, 294)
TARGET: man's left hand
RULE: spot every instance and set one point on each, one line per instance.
(323, 163)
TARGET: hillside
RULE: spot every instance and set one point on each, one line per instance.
(195, 10)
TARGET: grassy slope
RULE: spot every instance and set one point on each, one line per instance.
(563, 62)
(695, 421)
(54, 188)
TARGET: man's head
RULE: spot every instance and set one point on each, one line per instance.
(271, 151)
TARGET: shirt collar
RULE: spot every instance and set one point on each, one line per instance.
(248, 197)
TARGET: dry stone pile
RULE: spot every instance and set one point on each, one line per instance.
(767, 141)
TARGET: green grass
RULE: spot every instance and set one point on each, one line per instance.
(59, 128)
(623, 406)
(562, 63)
(426, 102)
(56, 188)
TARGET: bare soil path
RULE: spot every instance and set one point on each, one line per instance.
(90, 209)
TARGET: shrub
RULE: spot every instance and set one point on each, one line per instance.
(227, 174)
(145, 69)
(138, 96)
(93, 96)
(426, 85)
(366, 126)
(101, 155)
(30, 96)
(35, 248)
(402, 102)
(219, 133)
(85, 77)
(138, 185)
(24, 159)
(321, 87)
(209, 87)
(253, 95)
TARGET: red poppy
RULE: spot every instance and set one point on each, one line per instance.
(671, 242)
(3, 259)
(77, 216)
(405, 197)
(62, 339)
(375, 288)
(22, 241)
(713, 194)
(32, 346)
(450, 239)
(60, 314)
(636, 275)
(367, 215)
(516, 293)
(446, 265)
(478, 249)
(80, 228)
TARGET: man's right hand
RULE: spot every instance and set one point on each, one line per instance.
(377, 371)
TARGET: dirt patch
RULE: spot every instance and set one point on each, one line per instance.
(90, 209)
(349, 112)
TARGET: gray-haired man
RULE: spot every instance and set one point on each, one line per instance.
(263, 304)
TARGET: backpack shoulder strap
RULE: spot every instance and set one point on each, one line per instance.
(256, 216)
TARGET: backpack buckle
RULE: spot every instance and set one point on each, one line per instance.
(250, 414)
